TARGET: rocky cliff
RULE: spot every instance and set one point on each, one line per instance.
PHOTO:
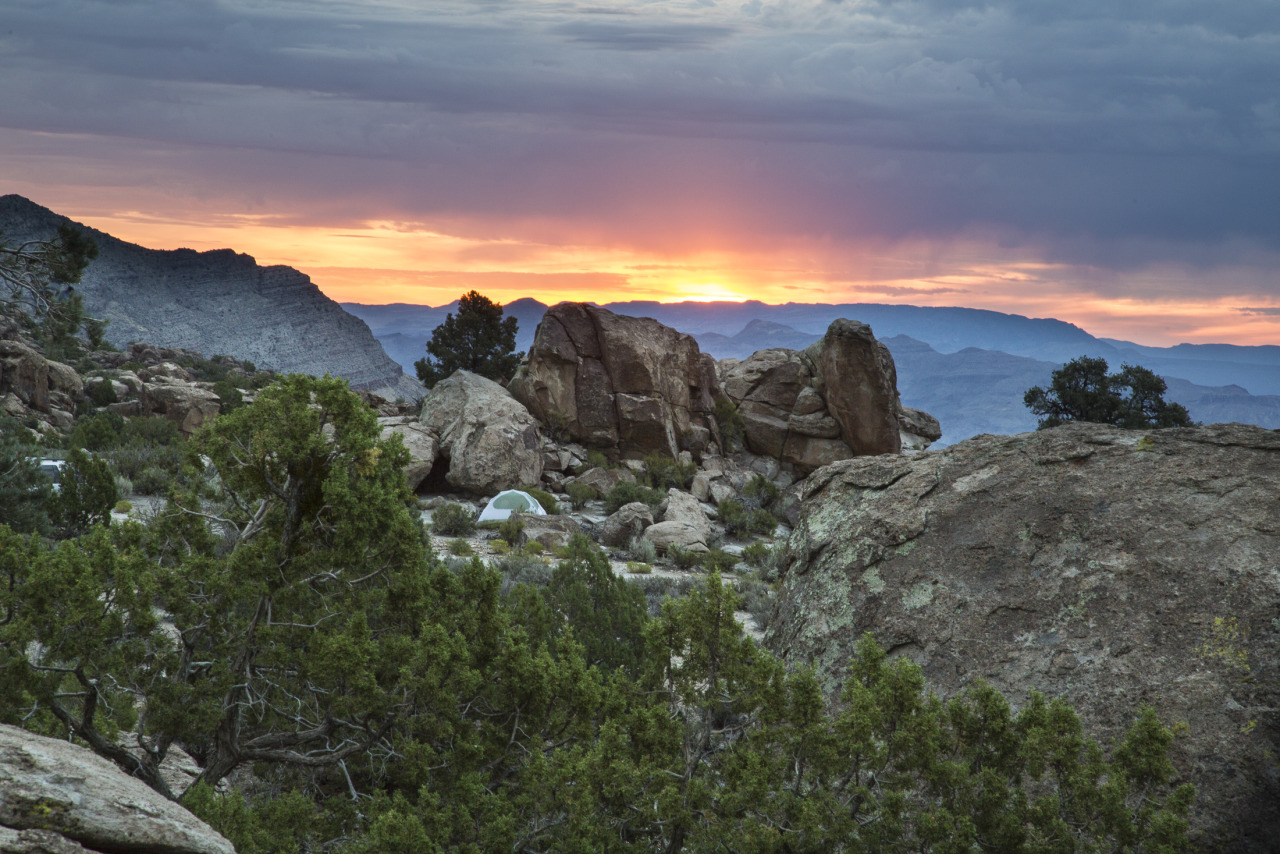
(219, 302)
(1112, 568)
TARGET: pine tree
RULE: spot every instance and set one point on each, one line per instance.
(1082, 390)
(479, 339)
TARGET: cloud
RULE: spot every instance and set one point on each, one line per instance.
(1110, 136)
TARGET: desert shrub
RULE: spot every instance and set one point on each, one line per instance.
(757, 600)
(230, 396)
(597, 460)
(152, 480)
(533, 548)
(510, 528)
(642, 550)
(453, 520)
(151, 431)
(97, 432)
(500, 547)
(122, 506)
(729, 421)
(625, 493)
(519, 568)
(733, 517)
(460, 548)
(719, 560)
(760, 492)
(546, 499)
(761, 521)
(580, 494)
(638, 568)
(683, 558)
(102, 393)
(663, 473)
(756, 554)
(124, 486)
(659, 588)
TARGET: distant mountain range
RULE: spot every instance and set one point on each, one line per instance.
(218, 302)
(968, 367)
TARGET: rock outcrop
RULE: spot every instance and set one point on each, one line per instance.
(625, 384)
(485, 440)
(55, 796)
(835, 400)
(219, 302)
(1112, 568)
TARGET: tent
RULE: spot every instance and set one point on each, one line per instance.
(510, 501)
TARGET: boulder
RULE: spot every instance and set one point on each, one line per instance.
(628, 522)
(420, 442)
(836, 400)
(64, 378)
(689, 537)
(24, 372)
(51, 788)
(603, 480)
(1111, 568)
(683, 507)
(627, 384)
(553, 532)
(857, 379)
(186, 405)
(489, 440)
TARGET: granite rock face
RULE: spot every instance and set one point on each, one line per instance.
(490, 441)
(836, 400)
(219, 302)
(55, 796)
(1112, 568)
(626, 384)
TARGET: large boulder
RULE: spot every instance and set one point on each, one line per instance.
(1111, 568)
(55, 796)
(858, 382)
(418, 440)
(628, 522)
(488, 440)
(25, 373)
(188, 406)
(626, 384)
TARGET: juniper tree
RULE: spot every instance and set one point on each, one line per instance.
(478, 339)
(1082, 390)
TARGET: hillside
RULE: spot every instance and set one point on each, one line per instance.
(218, 302)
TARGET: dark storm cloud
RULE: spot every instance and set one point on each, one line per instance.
(1115, 134)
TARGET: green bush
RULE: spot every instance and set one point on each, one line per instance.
(733, 517)
(152, 431)
(761, 521)
(499, 547)
(638, 568)
(546, 499)
(230, 396)
(730, 423)
(760, 492)
(756, 554)
(98, 432)
(626, 493)
(719, 560)
(663, 473)
(460, 548)
(533, 548)
(597, 460)
(122, 506)
(152, 481)
(642, 550)
(510, 528)
(580, 494)
(683, 558)
(453, 520)
(102, 393)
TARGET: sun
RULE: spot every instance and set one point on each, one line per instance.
(702, 292)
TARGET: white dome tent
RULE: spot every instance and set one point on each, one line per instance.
(509, 501)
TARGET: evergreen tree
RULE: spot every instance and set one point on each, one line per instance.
(1082, 390)
(32, 276)
(479, 339)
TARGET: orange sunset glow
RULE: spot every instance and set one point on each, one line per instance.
(388, 262)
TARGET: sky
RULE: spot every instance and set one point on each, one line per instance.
(1115, 165)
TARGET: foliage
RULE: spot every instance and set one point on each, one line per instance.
(638, 568)
(122, 506)
(605, 613)
(453, 520)
(85, 496)
(478, 339)
(755, 554)
(729, 420)
(662, 473)
(460, 548)
(24, 490)
(102, 392)
(546, 499)
(683, 558)
(739, 522)
(32, 278)
(641, 549)
(760, 492)
(1082, 390)
(719, 560)
(597, 460)
(580, 493)
(626, 493)
(511, 527)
